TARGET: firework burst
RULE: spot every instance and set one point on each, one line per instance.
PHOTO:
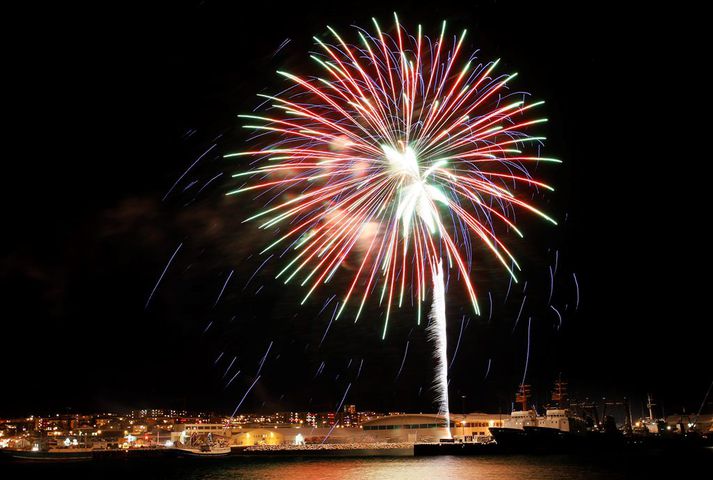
(395, 159)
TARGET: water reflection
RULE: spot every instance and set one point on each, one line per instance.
(609, 466)
(432, 468)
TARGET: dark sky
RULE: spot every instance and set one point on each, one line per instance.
(110, 104)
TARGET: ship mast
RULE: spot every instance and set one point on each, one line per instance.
(559, 395)
(650, 404)
(522, 396)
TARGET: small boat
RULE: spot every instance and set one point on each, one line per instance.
(203, 451)
(53, 454)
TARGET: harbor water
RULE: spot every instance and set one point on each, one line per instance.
(501, 467)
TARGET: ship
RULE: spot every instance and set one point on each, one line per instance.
(559, 423)
(44, 451)
(558, 428)
(512, 433)
(203, 446)
(204, 451)
(54, 455)
(649, 425)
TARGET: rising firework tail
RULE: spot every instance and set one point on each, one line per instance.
(436, 332)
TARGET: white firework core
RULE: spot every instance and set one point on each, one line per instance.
(416, 197)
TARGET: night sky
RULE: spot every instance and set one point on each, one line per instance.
(110, 105)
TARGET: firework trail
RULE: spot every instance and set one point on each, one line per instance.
(339, 407)
(557, 259)
(361, 364)
(527, 355)
(437, 334)
(231, 379)
(403, 361)
(281, 46)
(320, 369)
(264, 357)
(230, 366)
(244, 397)
(490, 307)
(165, 269)
(326, 330)
(187, 187)
(517, 319)
(209, 182)
(188, 170)
(460, 335)
(223, 289)
(329, 300)
(390, 163)
(487, 371)
(576, 284)
(507, 293)
(255, 272)
(559, 316)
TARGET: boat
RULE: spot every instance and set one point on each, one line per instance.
(559, 428)
(202, 446)
(203, 451)
(650, 425)
(53, 454)
(46, 450)
(559, 424)
(513, 434)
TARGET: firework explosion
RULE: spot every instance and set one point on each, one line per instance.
(394, 160)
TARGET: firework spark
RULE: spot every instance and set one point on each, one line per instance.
(390, 163)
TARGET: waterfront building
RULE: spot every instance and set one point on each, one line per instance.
(398, 428)
(412, 427)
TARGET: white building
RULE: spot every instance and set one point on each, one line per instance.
(401, 428)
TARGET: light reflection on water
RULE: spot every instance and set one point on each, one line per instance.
(425, 468)
(526, 467)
